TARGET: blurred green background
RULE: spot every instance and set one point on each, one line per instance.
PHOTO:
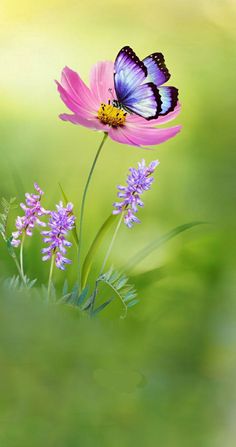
(166, 374)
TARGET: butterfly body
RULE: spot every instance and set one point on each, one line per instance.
(120, 106)
(117, 104)
(138, 85)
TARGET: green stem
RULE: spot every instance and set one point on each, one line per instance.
(111, 243)
(21, 257)
(104, 262)
(83, 204)
(50, 276)
(19, 269)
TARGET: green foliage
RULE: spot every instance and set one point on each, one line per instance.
(102, 306)
(149, 276)
(73, 298)
(95, 247)
(15, 283)
(118, 283)
(158, 243)
(115, 280)
(6, 208)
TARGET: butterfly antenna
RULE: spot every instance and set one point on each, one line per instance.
(111, 92)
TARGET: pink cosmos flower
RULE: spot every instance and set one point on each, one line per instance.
(92, 107)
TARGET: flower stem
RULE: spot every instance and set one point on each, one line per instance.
(83, 204)
(21, 257)
(19, 269)
(50, 277)
(104, 262)
(111, 244)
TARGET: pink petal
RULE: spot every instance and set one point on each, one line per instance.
(93, 123)
(77, 89)
(119, 136)
(72, 104)
(102, 81)
(142, 136)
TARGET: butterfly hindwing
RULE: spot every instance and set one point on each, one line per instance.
(145, 101)
(129, 73)
(157, 71)
(169, 99)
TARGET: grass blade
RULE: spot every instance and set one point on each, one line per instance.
(94, 248)
(157, 243)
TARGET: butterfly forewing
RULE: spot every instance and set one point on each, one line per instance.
(157, 70)
(129, 73)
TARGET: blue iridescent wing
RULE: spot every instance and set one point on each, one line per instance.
(132, 93)
(169, 99)
(159, 74)
(129, 73)
(144, 101)
(157, 71)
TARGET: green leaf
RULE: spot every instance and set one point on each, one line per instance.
(65, 299)
(82, 296)
(65, 288)
(74, 293)
(16, 283)
(65, 199)
(157, 243)
(94, 248)
(130, 296)
(87, 304)
(32, 283)
(10, 247)
(118, 283)
(121, 282)
(6, 208)
(132, 303)
(100, 308)
(73, 298)
(148, 277)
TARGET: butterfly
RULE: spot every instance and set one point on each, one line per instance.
(138, 85)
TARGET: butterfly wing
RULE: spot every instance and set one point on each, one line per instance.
(132, 93)
(157, 71)
(145, 101)
(129, 73)
(169, 99)
(159, 74)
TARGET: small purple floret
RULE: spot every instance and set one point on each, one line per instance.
(138, 181)
(61, 221)
(33, 210)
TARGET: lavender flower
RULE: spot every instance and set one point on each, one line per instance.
(138, 181)
(61, 221)
(33, 210)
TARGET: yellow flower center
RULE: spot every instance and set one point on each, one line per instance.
(108, 114)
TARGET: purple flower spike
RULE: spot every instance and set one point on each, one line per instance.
(33, 210)
(138, 181)
(61, 221)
